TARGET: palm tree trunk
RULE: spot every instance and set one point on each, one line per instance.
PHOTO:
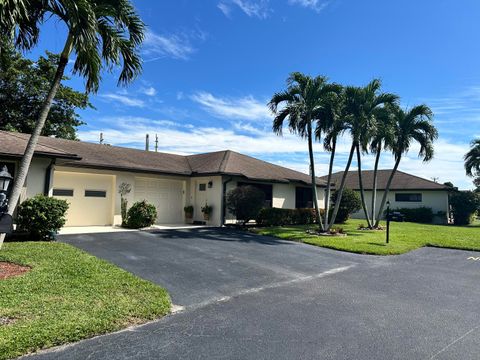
(32, 142)
(362, 191)
(342, 187)
(387, 189)
(374, 186)
(314, 179)
(329, 181)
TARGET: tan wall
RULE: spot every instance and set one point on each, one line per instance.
(120, 177)
(212, 196)
(437, 200)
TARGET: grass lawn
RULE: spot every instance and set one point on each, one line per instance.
(69, 295)
(404, 237)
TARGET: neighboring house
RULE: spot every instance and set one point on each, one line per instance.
(406, 191)
(88, 175)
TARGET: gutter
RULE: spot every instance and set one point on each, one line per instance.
(224, 195)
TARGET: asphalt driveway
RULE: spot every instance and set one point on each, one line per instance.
(250, 297)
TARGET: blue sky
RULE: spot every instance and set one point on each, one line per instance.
(211, 66)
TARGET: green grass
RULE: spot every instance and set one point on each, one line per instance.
(404, 237)
(69, 295)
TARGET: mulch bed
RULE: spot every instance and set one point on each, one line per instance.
(8, 269)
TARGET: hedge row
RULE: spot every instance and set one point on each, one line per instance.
(279, 217)
(422, 214)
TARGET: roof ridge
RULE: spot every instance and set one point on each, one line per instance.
(224, 162)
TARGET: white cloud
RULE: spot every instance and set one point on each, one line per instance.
(252, 8)
(247, 108)
(225, 9)
(163, 46)
(123, 99)
(317, 5)
(149, 91)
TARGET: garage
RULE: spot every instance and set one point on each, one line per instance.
(166, 195)
(90, 197)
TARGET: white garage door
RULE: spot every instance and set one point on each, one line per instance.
(89, 196)
(166, 195)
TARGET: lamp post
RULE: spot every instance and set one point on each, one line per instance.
(5, 219)
(388, 221)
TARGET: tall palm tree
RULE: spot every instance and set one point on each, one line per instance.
(411, 125)
(360, 105)
(472, 159)
(332, 129)
(302, 103)
(383, 139)
(103, 34)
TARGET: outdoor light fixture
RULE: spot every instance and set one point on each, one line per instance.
(5, 219)
(210, 184)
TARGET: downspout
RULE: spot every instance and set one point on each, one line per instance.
(48, 178)
(224, 196)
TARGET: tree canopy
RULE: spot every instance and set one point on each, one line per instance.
(24, 85)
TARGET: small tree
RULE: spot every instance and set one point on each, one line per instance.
(245, 202)
(464, 206)
(349, 204)
(124, 189)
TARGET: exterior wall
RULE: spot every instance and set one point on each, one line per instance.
(437, 200)
(120, 177)
(35, 182)
(283, 195)
(212, 195)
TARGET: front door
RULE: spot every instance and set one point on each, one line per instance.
(200, 199)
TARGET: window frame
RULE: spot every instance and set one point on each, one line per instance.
(66, 192)
(95, 193)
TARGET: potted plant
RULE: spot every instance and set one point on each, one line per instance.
(188, 211)
(207, 211)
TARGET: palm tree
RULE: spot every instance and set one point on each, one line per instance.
(360, 105)
(383, 139)
(472, 159)
(333, 128)
(410, 125)
(303, 102)
(103, 34)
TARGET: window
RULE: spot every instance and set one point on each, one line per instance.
(303, 198)
(62, 192)
(202, 187)
(408, 197)
(96, 193)
(267, 190)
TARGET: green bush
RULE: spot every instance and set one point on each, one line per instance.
(279, 217)
(141, 214)
(41, 216)
(350, 203)
(422, 214)
(245, 202)
(464, 206)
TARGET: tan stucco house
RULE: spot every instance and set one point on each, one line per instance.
(88, 175)
(406, 191)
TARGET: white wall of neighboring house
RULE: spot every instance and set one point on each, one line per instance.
(437, 200)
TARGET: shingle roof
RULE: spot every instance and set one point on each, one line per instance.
(401, 181)
(114, 157)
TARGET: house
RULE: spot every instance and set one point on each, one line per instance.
(406, 191)
(88, 176)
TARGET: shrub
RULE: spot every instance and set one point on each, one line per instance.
(141, 214)
(245, 202)
(350, 203)
(419, 215)
(464, 206)
(41, 216)
(279, 217)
